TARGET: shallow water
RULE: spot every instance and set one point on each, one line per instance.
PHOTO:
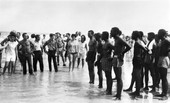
(64, 87)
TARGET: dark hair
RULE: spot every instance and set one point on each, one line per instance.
(23, 34)
(162, 33)
(92, 32)
(151, 34)
(32, 35)
(68, 34)
(73, 35)
(135, 35)
(12, 33)
(141, 34)
(115, 31)
(51, 35)
(97, 36)
(36, 36)
(84, 37)
(105, 35)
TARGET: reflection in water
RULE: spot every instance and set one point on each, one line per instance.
(63, 87)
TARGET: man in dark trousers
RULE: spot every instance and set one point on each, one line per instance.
(52, 50)
(26, 48)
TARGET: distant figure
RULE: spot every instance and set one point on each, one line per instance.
(91, 55)
(43, 39)
(26, 48)
(82, 48)
(68, 38)
(61, 45)
(52, 51)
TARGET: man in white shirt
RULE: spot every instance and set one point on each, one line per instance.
(38, 54)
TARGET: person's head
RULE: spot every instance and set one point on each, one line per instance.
(44, 35)
(151, 36)
(141, 35)
(12, 36)
(135, 35)
(52, 36)
(67, 35)
(97, 36)
(162, 33)
(32, 35)
(25, 36)
(57, 34)
(127, 38)
(115, 32)
(73, 36)
(79, 33)
(105, 36)
(83, 38)
(37, 37)
(18, 35)
(90, 33)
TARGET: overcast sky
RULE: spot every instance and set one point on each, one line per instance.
(82, 15)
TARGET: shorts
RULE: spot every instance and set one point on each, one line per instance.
(10, 57)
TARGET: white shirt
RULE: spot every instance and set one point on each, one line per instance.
(150, 46)
(82, 47)
(10, 49)
(37, 45)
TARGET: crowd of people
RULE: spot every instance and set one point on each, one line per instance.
(149, 55)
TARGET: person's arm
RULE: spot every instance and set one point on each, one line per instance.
(86, 47)
(44, 47)
(4, 45)
(4, 41)
(127, 46)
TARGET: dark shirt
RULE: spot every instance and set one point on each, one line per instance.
(138, 50)
(164, 48)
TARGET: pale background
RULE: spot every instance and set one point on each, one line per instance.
(64, 16)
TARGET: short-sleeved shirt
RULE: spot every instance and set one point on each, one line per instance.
(82, 47)
(37, 45)
(10, 49)
(52, 44)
